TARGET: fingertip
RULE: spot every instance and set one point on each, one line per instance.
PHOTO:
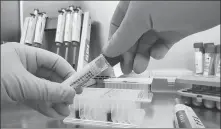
(78, 90)
(140, 63)
(127, 63)
(159, 50)
(62, 109)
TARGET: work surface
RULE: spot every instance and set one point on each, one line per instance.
(159, 114)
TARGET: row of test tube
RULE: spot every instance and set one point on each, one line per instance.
(33, 29)
(104, 107)
(68, 32)
(207, 59)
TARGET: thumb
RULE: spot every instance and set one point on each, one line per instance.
(34, 88)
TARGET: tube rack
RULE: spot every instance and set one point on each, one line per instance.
(108, 107)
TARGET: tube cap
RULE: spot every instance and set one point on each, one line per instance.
(198, 45)
(207, 44)
(210, 48)
(217, 48)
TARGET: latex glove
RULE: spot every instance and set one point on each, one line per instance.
(33, 76)
(143, 29)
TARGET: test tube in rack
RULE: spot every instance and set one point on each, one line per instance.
(24, 30)
(31, 28)
(59, 38)
(83, 56)
(39, 31)
(67, 34)
(76, 33)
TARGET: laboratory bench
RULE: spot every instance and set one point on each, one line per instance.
(159, 114)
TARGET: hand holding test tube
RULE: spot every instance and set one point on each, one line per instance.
(91, 70)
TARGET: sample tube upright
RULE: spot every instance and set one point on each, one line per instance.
(209, 59)
(67, 35)
(199, 56)
(59, 31)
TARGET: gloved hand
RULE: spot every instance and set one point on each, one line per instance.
(33, 76)
(143, 29)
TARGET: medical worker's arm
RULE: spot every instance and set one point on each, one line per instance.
(33, 76)
(155, 26)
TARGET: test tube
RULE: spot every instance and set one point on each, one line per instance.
(37, 31)
(217, 64)
(209, 59)
(199, 56)
(24, 30)
(40, 27)
(59, 31)
(44, 19)
(90, 70)
(67, 34)
(76, 33)
(31, 30)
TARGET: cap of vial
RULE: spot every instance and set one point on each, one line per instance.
(207, 44)
(60, 11)
(217, 48)
(63, 9)
(40, 14)
(198, 45)
(68, 10)
(32, 14)
(210, 48)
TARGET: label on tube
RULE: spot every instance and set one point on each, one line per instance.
(31, 30)
(91, 70)
(79, 20)
(63, 25)
(67, 35)
(43, 23)
(24, 30)
(74, 26)
(185, 117)
(28, 36)
(38, 29)
(208, 64)
(59, 28)
(199, 62)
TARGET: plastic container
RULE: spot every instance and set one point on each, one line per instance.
(108, 107)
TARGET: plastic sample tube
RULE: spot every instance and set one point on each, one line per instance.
(217, 63)
(37, 30)
(40, 27)
(91, 70)
(31, 30)
(199, 56)
(185, 117)
(209, 59)
(74, 15)
(67, 34)
(24, 30)
(77, 22)
(59, 31)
